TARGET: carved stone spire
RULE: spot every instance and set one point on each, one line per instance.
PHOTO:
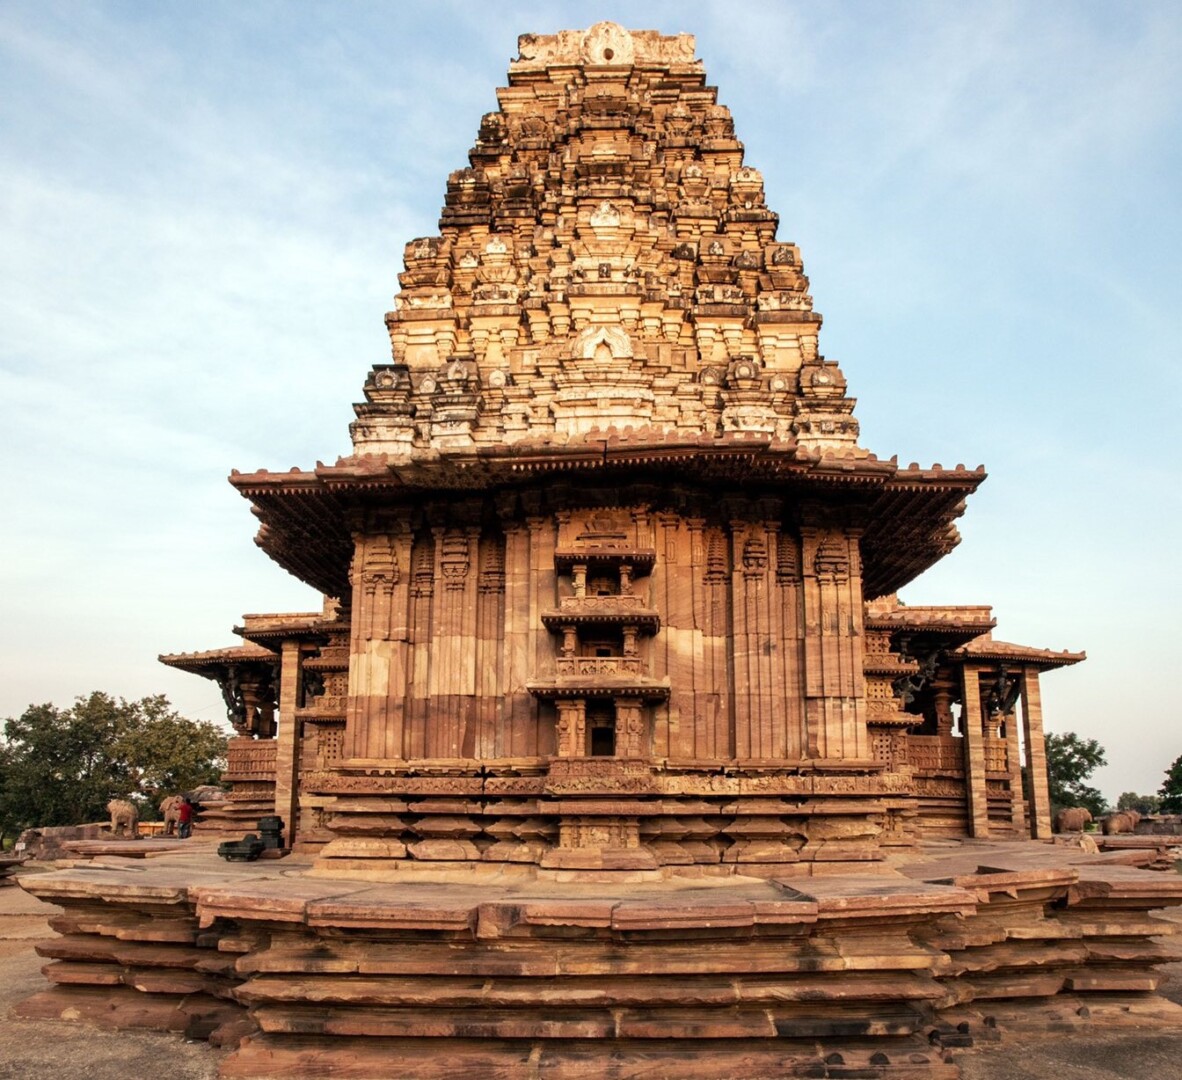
(606, 260)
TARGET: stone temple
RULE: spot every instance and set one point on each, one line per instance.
(612, 747)
(610, 577)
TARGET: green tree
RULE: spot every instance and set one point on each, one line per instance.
(1143, 804)
(166, 753)
(62, 766)
(1070, 762)
(5, 772)
(1171, 788)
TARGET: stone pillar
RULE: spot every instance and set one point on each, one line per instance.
(974, 752)
(541, 594)
(1014, 768)
(1036, 755)
(288, 742)
(743, 650)
(490, 645)
(942, 698)
(377, 677)
(420, 646)
(789, 614)
(451, 683)
(757, 719)
(256, 701)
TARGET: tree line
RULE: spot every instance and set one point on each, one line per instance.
(62, 766)
(1071, 761)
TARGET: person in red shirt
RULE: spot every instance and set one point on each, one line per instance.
(185, 818)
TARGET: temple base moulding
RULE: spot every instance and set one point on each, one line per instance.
(884, 975)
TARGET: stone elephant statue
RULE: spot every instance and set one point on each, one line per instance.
(1073, 819)
(170, 812)
(125, 819)
(1123, 821)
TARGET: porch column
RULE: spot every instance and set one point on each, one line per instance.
(287, 743)
(1036, 755)
(974, 752)
(1014, 767)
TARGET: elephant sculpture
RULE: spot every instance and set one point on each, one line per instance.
(1123, 821)
(170, 810)
(125, 819)
(1073, 819)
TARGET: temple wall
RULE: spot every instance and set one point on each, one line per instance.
(444, 637)
(491, 640)
(760, 639)
(730, 642)
(440, 725)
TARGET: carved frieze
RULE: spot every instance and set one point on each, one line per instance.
(717, 557)
(423, 568)
(492, 566)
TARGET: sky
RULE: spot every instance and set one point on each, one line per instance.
(203, 209)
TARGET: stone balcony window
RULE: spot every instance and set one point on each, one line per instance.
(568, 667)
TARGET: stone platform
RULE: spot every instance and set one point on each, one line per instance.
(151, 847)
(885, 975)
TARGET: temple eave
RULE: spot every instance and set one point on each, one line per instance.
(1004, 652)
(212, 663)
(304, 527)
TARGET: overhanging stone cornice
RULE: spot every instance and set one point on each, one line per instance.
(909, 512)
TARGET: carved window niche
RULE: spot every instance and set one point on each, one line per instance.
(601, 728)
(602, 644)
(600, 683)
(603, 585)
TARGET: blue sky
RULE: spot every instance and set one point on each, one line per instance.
(202, 215)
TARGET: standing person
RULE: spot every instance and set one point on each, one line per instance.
(185, 818)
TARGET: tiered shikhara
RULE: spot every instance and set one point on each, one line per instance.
(611, 582)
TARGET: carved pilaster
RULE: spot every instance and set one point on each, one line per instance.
(631, 736)
(520, 707)
(571, 728)
(834, 646)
